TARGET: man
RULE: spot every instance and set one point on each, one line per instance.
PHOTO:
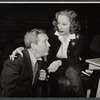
(19, 77)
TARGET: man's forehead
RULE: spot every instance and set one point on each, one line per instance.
(42, 36)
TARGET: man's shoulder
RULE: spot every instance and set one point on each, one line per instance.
(25, 55)
(16, 65)
(18, 58)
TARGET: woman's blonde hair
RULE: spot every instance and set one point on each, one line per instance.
(73, 19)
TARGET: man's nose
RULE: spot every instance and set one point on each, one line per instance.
(48, 44)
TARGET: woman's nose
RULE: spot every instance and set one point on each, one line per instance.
(60, 26)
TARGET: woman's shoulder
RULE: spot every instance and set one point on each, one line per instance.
(80, 35)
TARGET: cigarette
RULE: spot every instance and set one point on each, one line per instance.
(85, 73)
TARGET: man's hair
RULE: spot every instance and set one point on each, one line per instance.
(31, 36)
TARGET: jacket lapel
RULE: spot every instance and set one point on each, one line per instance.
(57, 44)
(38, 71)
(28, 63)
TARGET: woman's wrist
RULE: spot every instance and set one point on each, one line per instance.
(21, 48)
(60, 63)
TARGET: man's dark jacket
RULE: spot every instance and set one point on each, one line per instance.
(17, 76)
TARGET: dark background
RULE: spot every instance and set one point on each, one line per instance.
(17, 18)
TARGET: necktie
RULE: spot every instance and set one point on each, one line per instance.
(34, 68)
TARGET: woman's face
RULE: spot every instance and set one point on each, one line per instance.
(63, 24)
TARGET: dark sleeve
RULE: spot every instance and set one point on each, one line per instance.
(3, 57)
(74, 53)
(10, 75)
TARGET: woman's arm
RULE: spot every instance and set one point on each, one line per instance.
(16, 51)
(74, 54)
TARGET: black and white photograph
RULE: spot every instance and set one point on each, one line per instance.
(50, 50)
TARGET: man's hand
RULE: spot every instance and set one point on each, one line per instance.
(42, 75)
(18, 50)
(54, 66)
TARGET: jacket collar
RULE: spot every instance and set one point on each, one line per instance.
(29, 64)
(32, 57)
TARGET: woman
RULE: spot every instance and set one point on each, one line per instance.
(64, 58)
(66, 45)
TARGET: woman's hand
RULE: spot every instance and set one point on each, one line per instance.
(54, 66)
(18, 50)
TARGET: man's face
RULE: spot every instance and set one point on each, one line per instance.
(42, 47)
(63, 24)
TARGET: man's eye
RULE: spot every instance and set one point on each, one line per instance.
(44, 41)
(64, 24)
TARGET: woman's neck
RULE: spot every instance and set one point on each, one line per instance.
(66, 36)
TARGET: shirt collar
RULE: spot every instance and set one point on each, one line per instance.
(32, 57)
(71, 36)
(57, 33)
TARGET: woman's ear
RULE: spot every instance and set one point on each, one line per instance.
(33, 46)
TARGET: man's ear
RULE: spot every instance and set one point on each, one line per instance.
(33, 45)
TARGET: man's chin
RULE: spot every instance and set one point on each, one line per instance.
(46, 54)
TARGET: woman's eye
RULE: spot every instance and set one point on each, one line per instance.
(57, 23)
